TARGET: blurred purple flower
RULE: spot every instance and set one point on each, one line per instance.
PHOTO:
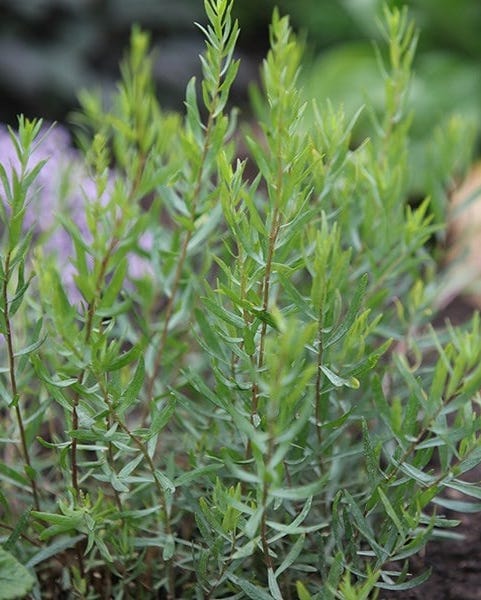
(63, 186)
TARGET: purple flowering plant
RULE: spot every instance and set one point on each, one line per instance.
(63, 186)
(219, 378)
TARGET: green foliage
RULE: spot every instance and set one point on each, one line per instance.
(15, 580)
(443, 84)
(264, 411)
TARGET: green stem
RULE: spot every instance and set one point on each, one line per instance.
(319, 374)
(13, 382)
(169, 309)
(80, 378)
(151, 467)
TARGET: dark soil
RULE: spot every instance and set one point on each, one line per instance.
(455, 565)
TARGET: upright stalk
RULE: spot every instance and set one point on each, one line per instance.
(80, 378)
(169, 309)
(13, 382)
(319, 374)
(218, 75)
(266, 284)
(137, 441)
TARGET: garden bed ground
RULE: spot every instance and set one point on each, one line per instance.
(455, 566)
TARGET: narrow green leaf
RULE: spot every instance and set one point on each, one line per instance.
(273, 585)
(255, 218)
(247, 549)
(194, 474)
(112, 290)
(416, 474)
(252, 591)
(225, 315)
(302, 491)
(165, 482)
(339, 381)
(406, 585)
(123, 360)
(19, 528)
(391, 512)
(414, 546)
(162, 416)
(470, 489)
(131, 392)
(335, 573)
(53, 549)
(210, 336)
(472, 460)
(363, 526)
(350, 316)
(292, 555)
(204, 527)
(117, 485)
(205, 226)
(12, 475)
(291, 527)
(472, 383)
(130, 466)
(194, 120)
(458, 505)
(302, 591)
(169, 547)
(300, 302)
(30, 348)
(252, 526)
(369, 455)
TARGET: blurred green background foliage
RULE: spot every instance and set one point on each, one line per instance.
(49, 49)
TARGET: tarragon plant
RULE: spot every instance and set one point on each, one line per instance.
(219, 377)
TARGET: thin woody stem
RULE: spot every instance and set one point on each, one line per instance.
(13, 382)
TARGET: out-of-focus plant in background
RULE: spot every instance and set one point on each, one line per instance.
(51, 48)
(446, 81)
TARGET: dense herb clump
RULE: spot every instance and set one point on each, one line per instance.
(228, 396)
